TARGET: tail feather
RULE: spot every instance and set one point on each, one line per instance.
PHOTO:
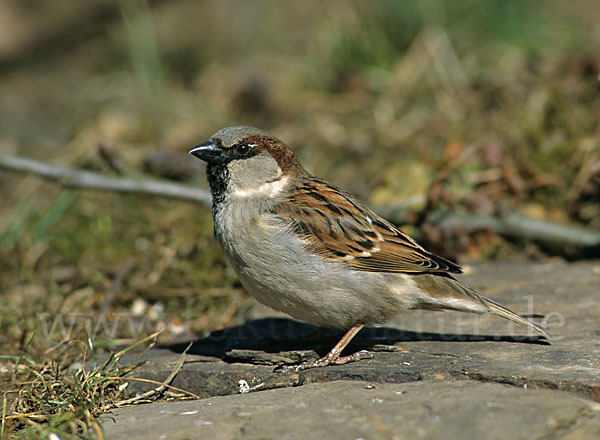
(500, 310)
(444, 292)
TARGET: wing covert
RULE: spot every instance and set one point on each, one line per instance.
(339, 228)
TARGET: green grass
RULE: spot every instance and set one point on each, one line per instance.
(64, 397)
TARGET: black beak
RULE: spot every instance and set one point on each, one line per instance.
(209, 151)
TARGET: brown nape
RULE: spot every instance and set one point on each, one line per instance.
(284, 156)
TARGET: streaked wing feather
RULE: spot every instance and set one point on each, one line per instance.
(338, 227)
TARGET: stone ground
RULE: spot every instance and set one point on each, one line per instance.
(433, 375)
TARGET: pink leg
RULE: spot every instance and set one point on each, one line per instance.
(333, 357)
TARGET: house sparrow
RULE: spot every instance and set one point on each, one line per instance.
(304, 247)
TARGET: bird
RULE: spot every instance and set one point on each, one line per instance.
(304, 247)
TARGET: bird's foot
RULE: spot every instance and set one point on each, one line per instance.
(354, 357)
(329, 359)
(333, 357)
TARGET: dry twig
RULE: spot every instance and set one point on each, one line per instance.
(90, 180)
(166, 383)
(511, 225)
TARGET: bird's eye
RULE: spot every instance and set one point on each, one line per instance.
(242, 148)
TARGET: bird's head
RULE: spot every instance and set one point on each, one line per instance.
(246, 162)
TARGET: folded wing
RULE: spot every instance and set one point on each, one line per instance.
(338, 227)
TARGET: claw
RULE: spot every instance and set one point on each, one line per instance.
(364, 354)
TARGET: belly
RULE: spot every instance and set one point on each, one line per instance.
(276, 270)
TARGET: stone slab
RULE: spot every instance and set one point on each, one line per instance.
(363, 410)
(418, 345)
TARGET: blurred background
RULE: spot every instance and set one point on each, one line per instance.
(427, 110)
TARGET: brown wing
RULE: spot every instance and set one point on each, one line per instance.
(338, 227)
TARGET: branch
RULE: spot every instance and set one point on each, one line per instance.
(509, 225)
(90, 180)
(515, 225)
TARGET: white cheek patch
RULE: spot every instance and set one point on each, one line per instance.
(268, 189)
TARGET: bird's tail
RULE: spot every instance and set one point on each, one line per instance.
(500, 310)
